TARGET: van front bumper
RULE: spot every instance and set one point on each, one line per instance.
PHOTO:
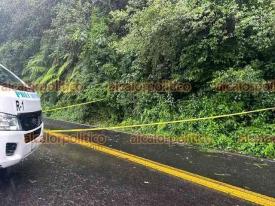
(22, 150)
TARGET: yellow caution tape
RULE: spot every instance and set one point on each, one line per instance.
(168, 122)
(71, 106)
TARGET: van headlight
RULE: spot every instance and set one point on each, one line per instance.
(9, 122)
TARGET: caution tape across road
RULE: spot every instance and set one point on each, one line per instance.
(167, 122)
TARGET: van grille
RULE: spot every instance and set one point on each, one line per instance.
(30, 121)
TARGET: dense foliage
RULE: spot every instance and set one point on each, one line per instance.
(208, 43)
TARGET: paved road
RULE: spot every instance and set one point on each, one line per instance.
(66, 174)
(73, 175)
(257, 175)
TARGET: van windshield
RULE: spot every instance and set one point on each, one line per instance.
(7, 79)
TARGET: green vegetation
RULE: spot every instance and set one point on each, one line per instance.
(207, 43)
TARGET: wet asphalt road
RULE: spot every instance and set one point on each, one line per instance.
(73, 175)
(66, 174)
(257, 175)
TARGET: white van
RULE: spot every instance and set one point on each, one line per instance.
(21, 125)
